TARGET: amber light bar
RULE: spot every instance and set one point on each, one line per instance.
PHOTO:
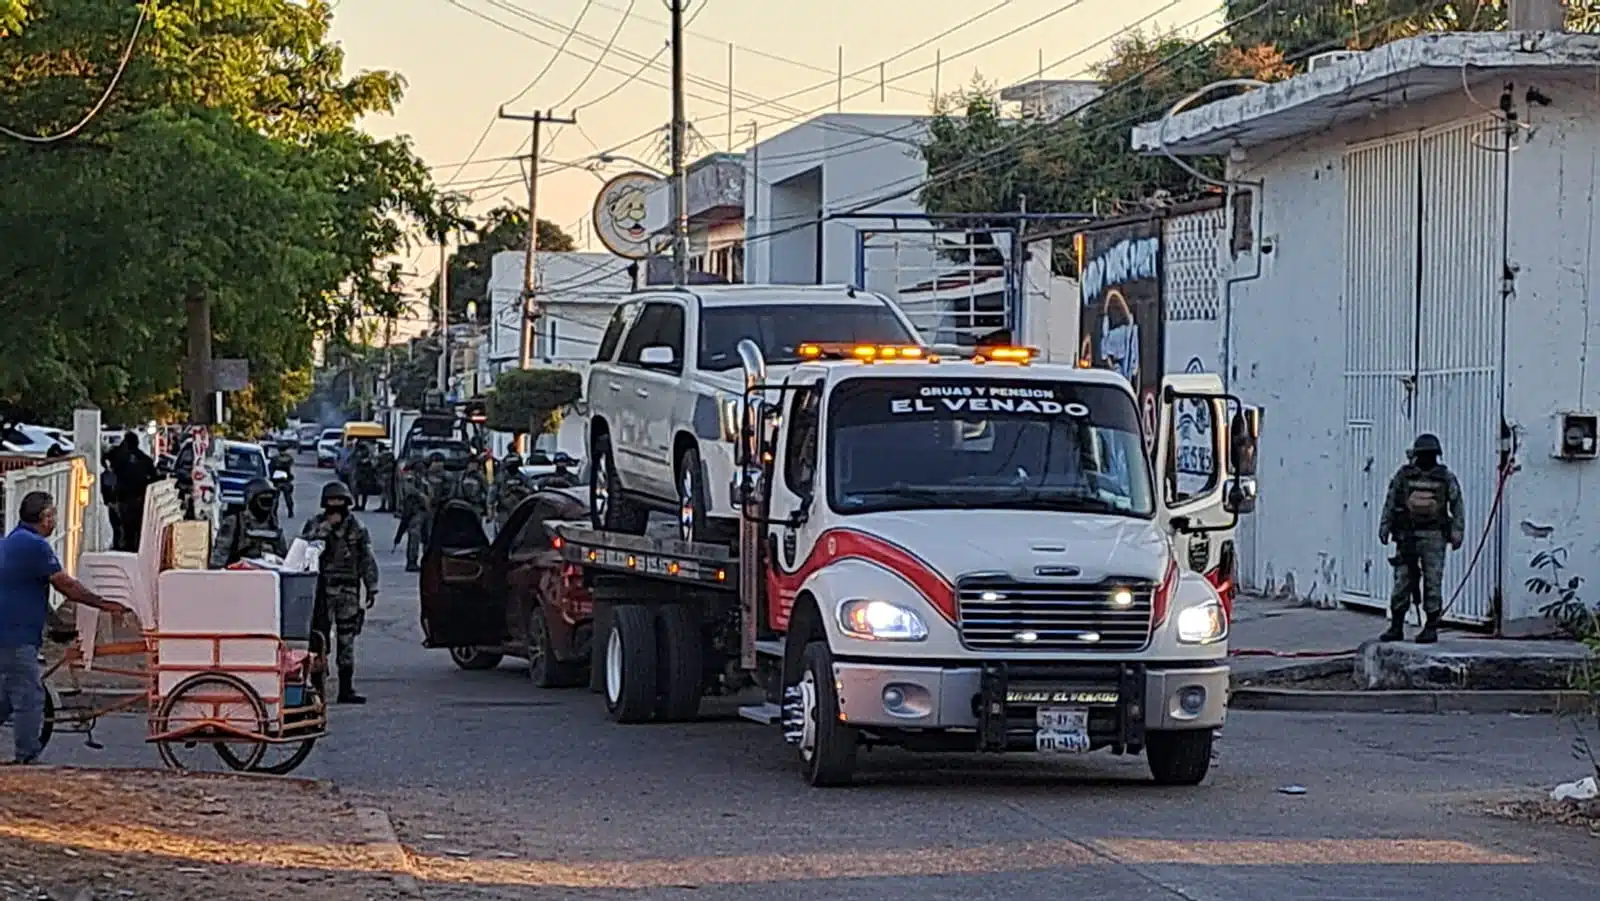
(868, 353)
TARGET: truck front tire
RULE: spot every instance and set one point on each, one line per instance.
(630, 664)
(1179, 758)
(681, 675)
(827, 746)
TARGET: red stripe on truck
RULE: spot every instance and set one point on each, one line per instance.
(848, 544)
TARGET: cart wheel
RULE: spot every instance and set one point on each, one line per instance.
(209, 698)
(52, 704)
(274, 765)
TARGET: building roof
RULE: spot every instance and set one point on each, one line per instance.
(1396, 74)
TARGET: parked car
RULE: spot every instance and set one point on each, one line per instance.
(308, 435)
(328, 447)
(513, 596)
(33, 440)
(665, 386)
(241, 462)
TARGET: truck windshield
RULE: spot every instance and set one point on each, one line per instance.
(906, 444)
(244, 460)
(780, 329)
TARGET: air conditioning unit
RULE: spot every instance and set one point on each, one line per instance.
(1331, 58)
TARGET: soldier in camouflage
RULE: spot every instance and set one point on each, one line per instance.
(1422, 514)
(384, 461)
(252, 531)
(416, 511)
(510, 487)
(474, 489)
(344, 567)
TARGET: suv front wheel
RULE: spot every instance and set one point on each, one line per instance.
(609, 508)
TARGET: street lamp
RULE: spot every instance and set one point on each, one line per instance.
(606, 159)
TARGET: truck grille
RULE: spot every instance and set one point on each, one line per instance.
(1000, 614)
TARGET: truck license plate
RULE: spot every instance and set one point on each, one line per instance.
(1062, 730)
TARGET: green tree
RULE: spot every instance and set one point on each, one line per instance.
(530, 401)
(227, 165)
(12, 14)
(1082, 163)
(503, 228)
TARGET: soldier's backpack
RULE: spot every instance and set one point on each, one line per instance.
(1424, 498)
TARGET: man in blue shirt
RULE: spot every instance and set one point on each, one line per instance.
(28, 570)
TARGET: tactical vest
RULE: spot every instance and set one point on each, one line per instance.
(254, 538)
(338, 564)
(1424, 497)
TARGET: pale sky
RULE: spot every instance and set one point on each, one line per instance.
(460, 68)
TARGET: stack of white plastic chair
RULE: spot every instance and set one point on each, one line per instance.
(129, 579)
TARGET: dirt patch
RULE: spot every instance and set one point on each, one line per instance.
(1579, 814)
(130, 834)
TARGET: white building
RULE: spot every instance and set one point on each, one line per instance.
(576, 295)
(1050, 98)
(831, 164)
(716, 215)
(1374, 215)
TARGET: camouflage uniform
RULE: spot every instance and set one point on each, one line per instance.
(283, 462)
(384, 461)
(472, 489)
(1423, 513)
(363, 472)
(345, 566)
(252, 531)
(510, 487)
(416, 511)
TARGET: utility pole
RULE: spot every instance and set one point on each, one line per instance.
(444, 315)
(530, 309)
(680, 187)
(197, 310)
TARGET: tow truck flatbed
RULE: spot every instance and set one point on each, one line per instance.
(688, 563)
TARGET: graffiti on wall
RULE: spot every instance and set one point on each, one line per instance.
(1121, 325)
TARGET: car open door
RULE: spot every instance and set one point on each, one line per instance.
(461, 607)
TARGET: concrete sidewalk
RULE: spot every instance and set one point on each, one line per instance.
(1270, 634)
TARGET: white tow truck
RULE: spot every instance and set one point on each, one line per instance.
(944, 552)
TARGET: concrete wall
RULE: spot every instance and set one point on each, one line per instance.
(1286, 351)
(855, 158)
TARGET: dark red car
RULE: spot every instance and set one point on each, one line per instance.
(514, 596)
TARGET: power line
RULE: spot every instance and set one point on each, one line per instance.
(610, 42)
(989, 157)
(554, 56)
(105, 97)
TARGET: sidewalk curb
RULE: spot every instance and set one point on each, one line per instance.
(1407, 702)
(381, 838)
(1300, 670)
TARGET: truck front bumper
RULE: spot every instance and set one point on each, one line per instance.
(1002, 701)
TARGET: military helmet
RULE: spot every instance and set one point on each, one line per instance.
(336, 491)
(1427, 443)
(257, 487)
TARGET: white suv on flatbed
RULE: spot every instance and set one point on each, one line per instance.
(664, 391)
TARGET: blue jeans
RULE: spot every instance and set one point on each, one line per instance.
(22, 698)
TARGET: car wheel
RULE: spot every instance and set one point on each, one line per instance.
(475, 658)
(609, 508)
(691, 497)
(543, 667)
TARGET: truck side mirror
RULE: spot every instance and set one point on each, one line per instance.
(1244, 435)
(1239, 495)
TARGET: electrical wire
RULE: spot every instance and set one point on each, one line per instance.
(996, 155)
(610, 42)
(105, 97)
(556, 55)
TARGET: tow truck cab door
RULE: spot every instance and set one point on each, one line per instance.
(1204, 455)
(461, 605)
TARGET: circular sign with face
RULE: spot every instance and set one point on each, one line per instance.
(619, 215)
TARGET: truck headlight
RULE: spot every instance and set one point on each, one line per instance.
(728, 417)
(1202, 624)
(880, 621)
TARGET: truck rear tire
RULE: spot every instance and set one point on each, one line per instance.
(827, 746)
(1179, 758)
(680, 675)
(630, 662)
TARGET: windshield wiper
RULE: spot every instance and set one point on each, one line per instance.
(901, 492)
(1069, 499)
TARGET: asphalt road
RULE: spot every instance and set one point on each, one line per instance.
(501, 790)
